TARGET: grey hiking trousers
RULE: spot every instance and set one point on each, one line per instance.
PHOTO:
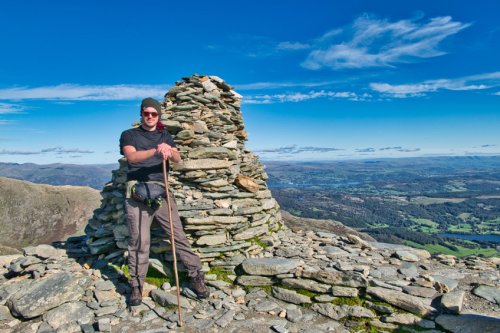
(140, 218)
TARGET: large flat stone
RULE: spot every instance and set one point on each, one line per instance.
(216, 220)
(307, 284)
(164, 299)
(290, 296)
(269, 266)
(446, 284)
(212, 239)
(413, 304)
(469, 323)
(45, 294)
(254, 280)
(73, 312)
(452, 302)
(201, 164)
(419, 291)
(251, 233)
(337, 312)
(346, 279)
(492, 294)
(212, 153)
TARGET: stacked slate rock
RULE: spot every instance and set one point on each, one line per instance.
(219, 186)
(311, 282)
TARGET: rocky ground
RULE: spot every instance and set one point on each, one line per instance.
(307, 282)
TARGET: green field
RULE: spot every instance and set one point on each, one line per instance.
(463, 228)
(462, 251)
(424, 225)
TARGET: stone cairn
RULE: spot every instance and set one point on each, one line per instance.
(219, 186)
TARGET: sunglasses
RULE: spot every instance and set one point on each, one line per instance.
(147, 114)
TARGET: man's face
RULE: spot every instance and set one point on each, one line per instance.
(149, 116)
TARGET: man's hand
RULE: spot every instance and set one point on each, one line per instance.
(167, 152)
(164, 150)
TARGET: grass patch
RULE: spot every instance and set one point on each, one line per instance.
(461, 252)
(306, 292)
(424, 225)
(154, 277)
(267, 289)
(460, 228)
(256, 241)
(352, 301)
(221, 274)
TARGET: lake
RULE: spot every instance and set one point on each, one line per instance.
(484, 238)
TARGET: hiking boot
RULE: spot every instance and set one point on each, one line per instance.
(197, 284)
(135, 296)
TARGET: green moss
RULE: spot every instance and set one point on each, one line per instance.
(154, 277)
(256, 241)
(306, 292)
(348, 301)
(221, 274)
(267, 289)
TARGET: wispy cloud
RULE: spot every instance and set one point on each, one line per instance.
(56, 150)
(18, 152)
(292, 46)
(409, 150)
(6, 108)
(295, 149)
(60, 150)
(396, 148)
(390, 148)
(365, 150)
(299, 97)
(73, 92)
(374, 42)
(472, 82)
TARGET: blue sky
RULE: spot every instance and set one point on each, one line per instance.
(320, 79)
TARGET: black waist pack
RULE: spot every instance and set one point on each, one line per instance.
(150, 194)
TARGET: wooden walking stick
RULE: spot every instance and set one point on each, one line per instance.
(172, 241)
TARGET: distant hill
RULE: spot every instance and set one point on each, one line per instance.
(32, 214)
(94, 176)
(296, 223)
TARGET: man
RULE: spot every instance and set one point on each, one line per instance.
(145, 148)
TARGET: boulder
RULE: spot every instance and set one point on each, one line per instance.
(469, 323)
(45, 294)
(413, 304)
(269, 266)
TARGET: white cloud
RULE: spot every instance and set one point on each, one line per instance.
(6, 108)
(72, 92)
(372, 42)
(472, 82)
(299, 97)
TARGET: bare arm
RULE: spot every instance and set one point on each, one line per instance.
(134, 156)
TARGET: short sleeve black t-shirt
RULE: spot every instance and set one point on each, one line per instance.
(140, 139)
